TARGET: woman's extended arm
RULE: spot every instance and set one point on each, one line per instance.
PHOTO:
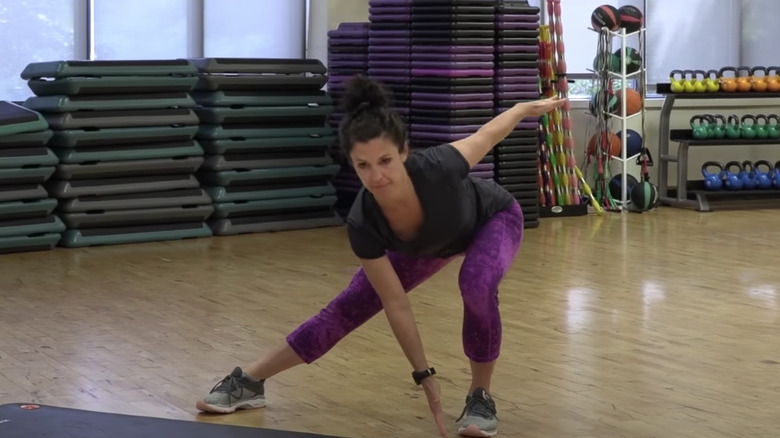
(477, 145)
(399, 313)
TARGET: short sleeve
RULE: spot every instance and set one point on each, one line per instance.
(365, 243)
(445, 160)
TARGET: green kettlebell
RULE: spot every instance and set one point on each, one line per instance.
(718, 126)
(748, 130)
(700, 130)
(732, 127)
(773, 129)
(762, 130)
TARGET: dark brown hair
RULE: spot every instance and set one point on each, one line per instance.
(368, 115)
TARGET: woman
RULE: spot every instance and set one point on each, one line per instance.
(417, 211)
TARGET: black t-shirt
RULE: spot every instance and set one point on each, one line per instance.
(455, 205)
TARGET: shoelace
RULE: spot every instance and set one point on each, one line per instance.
(228, 385)
(479, 407)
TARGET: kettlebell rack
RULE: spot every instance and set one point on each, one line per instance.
(693, 194)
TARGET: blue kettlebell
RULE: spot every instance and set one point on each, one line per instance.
(712, 181)
(732, 180)
(763, 179)
(748, 175)
(776, 176)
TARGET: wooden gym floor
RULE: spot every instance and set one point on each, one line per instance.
(660, 324)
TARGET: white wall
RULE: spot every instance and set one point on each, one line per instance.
(327, 14)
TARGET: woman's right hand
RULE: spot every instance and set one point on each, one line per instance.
(431, 388)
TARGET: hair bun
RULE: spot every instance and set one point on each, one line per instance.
(363, 93)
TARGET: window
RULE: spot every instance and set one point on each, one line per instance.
(32, 32)
(141, 29)
(254, 28)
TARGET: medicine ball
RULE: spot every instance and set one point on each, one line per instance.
(634, 102)
(631, 18)
(633, 60)
(633, 142)
(604, 140)
(605, 16)
(616, 183)
(644, 195)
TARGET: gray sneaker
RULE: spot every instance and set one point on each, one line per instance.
(236, 391)
(478, 418)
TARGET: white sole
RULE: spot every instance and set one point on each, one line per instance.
(249, 404)
(473, 431)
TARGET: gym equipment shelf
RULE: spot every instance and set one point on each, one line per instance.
(691, 194)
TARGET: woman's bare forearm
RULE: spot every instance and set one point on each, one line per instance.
(401, 318)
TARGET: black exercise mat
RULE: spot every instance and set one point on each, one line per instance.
(40, 421)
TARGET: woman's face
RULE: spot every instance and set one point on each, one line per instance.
(379, 164)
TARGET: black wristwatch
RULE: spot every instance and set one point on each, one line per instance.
(419, 376)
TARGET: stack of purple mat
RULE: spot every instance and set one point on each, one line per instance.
(438, 56)
(517, 80)
(347, 56)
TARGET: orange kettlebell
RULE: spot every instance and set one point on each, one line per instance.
(772, 80)
(759, 82)
(744, 81)
(728, 83)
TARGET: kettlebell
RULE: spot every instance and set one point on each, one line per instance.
(712, 181)
(699, 78)
(712, 82)
(748, 175)
(728, 84)
(763, 179)
(762, 129)
(689, 86)
(776, 176)
(732, 180)
(748, 130)
(699, 128)
(772, 80)
(744, 83)
(773, 129)
(732, 127)
(717, 126)
(759, 83)
(676, 85)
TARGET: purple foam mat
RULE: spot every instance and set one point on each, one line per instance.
(451, 65)
(450, 129)
(469, 57)
(444, 104)
(438, 136)
(376, 64)
(348, 41)
(508, 88)
(510, 80)
(466, 73)
(355, 65)
(483, 175)
(515, 49)
(389, 56)
(348, 33)
(502, 18)
(353, 25)
(348, 57)
(452, 49)
(398, 71)
(516, 71)
(518, 95)
(389, 10)
(484, 167)
(372, 3)
(526, 25)
(453, 97)
(390, 79)
(382, 18)
(374, 49)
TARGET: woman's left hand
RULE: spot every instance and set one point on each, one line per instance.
(542, 106)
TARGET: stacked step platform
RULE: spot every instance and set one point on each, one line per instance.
(442, 56)
(27, 222)
(347, 56)
(264, 128)
(517, 80)
(123, 132)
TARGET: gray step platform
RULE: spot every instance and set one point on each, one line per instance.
(217, 163)
(143, 216)
(282, 176)
(264, 224)
(274, 206)
(171, 198)
(16, 119)
(313, 115)
(31, 226)
(121, 169)
(245, 131)
(66, 104)
(122, 118)
(76, 85)
(117, 186)
(134, 234)
(130, 152)
(243, 98)
(101, 68)
(258, 192)
(22, 192)
(34, 175)
(267, 144)
(27, 157)
(72, 138)
(13, 210)
(20, 244)
(26, 139)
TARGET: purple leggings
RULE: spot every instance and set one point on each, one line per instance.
(486, 262)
